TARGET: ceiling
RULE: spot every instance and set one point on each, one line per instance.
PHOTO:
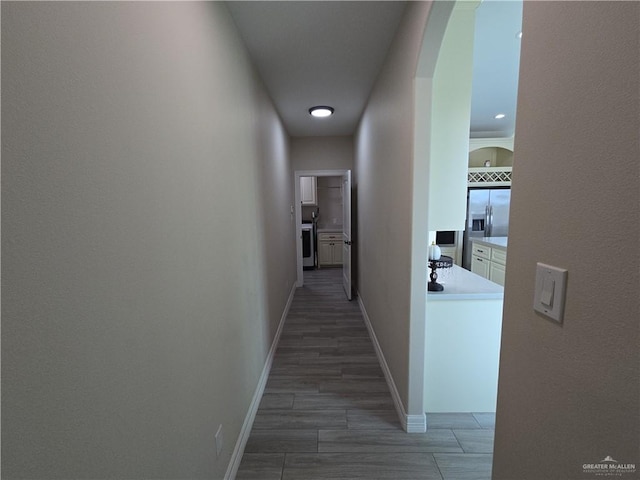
(330, 52)
(318, 53)
(496, 61)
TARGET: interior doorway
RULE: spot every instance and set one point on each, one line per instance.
(327, 210)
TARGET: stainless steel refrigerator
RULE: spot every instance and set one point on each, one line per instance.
(487, 216)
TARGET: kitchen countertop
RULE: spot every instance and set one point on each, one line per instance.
(461, 284)
(492, 241)
(333, 229)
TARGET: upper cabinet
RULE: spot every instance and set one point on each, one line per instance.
(490, 162)
(308, 191)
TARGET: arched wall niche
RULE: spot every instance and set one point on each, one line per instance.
(498, 152)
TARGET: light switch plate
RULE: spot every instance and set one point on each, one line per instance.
(550, 291)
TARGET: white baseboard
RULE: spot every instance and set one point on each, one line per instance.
(416, 423)
(245, 431)
(410, 423)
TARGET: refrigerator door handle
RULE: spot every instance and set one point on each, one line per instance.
(490, 220)
(487, 222)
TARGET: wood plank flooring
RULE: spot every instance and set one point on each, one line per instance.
(327, 414)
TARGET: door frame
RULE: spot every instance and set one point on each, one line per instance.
(298, 211)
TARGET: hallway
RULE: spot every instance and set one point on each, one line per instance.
(327, 412)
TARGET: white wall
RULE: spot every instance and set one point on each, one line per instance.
(141, 286)
(384, 184)
(569, 394)
(450, 117)
(329, 202)
(322, 153)
(461, 353)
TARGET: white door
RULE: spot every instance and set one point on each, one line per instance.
(346, 233)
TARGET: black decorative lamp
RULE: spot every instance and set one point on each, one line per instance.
(437, 260)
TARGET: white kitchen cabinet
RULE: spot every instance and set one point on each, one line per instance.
(480, 266)
(336, 254)
(496, 273)
(329, 249)
(498, 264)
(325, 253)
(481, 251)
(489, 262)
(499, 255)
(308, 191)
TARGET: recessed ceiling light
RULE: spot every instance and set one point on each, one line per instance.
(499, 116)
(321, 111)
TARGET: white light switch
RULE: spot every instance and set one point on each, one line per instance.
(550, 291)
(548, 285)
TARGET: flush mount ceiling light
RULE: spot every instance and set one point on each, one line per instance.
(499, 116)
(321, 111)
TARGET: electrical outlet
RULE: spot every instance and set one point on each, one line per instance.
(219, 441)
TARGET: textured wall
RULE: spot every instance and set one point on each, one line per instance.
(384, 184)
(569, 394)
(141, 285)
(322, 153)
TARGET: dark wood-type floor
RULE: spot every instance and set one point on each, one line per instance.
(327, 414)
